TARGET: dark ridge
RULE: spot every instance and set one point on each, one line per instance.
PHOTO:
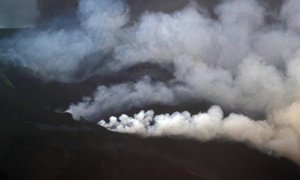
(7, 32)
(54, 8)
(55, 95)
(156, 72)
(38, 144)
(50, 9)
(138, 7)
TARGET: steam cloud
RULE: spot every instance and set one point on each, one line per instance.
(238, 60)
(124, 97)
(279, 135)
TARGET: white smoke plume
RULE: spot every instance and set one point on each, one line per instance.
(236, 60)
(238, 55)
(58, 52)
(122, 97)
(279, 133)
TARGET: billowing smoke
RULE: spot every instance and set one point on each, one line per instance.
(18, 13)
(58, 51)
(233, 56)
(279, 135)
(122, 97)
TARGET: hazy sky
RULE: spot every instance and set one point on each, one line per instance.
(17, 13)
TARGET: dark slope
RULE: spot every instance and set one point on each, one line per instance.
(51, 94)
(39, 144)
(4, 33)
(54, 8)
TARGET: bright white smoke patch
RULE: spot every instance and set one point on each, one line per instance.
(122, 97)
(280, 135)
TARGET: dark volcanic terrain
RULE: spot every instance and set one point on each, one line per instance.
(37, 143)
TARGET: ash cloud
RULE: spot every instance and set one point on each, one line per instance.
(235, 59)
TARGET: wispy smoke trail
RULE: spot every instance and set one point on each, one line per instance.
(122, 97)
(237, 60)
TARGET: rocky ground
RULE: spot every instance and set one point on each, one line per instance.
(37, 143)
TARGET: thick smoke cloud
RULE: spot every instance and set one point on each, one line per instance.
(18, 13)
(279, 135)
(122, 97)
(58, 52)
(236, 60)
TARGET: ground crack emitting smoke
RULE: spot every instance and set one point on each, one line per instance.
(237, 60)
